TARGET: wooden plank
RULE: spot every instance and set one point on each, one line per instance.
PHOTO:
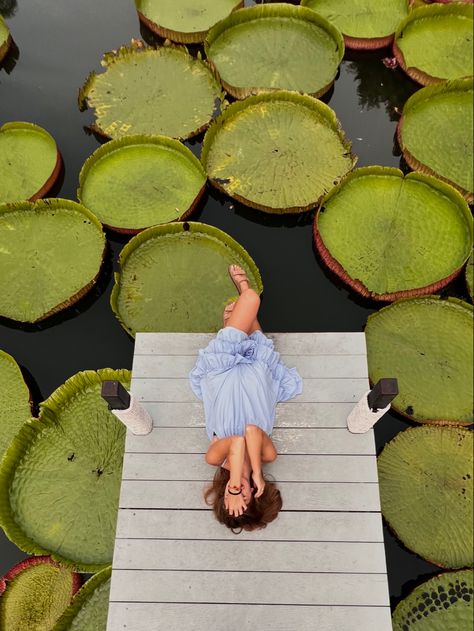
(200, 617)
(301, 525)
(314, 390)
(251, 556)
(288, 414)
(285, 469)
(285, 343)
(326, 496)
(287, 441)
(308, 366)
(266, 588)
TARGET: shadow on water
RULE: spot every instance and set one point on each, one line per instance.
(10, 60)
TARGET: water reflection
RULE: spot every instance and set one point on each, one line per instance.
(8, 8)
(377, 85)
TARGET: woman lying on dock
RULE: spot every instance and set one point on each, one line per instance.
(240, 378)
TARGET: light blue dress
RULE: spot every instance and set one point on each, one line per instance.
(240, 379)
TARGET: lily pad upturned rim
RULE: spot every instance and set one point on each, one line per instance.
(11, 360)
(427, 587)
(52, 203)
(172, 228)
(138, 46)
(5, 45)
(421, 421)
(144, 139)
(469, 274)
(290, 96)
(356, 284)
(19, 446)
(48, 185)
(178, 36)
(396, 443)
(433, 10)
(261, 12)
(362, 43)
(32, 561)
(426, 93)
(81, 598)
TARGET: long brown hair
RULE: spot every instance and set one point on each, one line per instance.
(259, 512)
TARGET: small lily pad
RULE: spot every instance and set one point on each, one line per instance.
(365, 24)
(161, 91)
(435, 43)
(60, 479)
(277, 151)
(426, 490)
(184, 21)
(435, 133)
(442, 603)
(5, 38)
(29, 162)
(390, 236)
(35, 593)
(174, 278)
(50, 257)
(14, 400)
(275, 46)
(90, 607)
(140, 181)
(427, 344)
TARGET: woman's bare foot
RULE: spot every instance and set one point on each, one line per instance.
(228, 311)
(239, 277)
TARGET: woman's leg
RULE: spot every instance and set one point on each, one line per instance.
(244, 313)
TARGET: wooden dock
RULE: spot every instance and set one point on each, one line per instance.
(319, 567)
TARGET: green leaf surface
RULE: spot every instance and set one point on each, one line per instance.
(275, 46)
(361, 18)
(426, 490)
(37, 593)
(438, 40)
(470, 275)
(4, 38)
(365, 220)
(437, 130)
(188, 17)
(161, 91)
(277, 151)
(88, 611)
(139, 181)
(14, 400)
(427, 344)
(175, 278)
(60, 478)
(28, 158)
(443, 603)
(51, 252)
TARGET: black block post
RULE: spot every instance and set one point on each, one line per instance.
(383, 393)
(115, 395)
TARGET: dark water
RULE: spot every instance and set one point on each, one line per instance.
(58, 42)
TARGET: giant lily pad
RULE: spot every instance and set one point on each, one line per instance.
(29, 162)
(89, 609)
(435, 43)
(365, 24)
(470, 275)
(184, 21)
(426, 482)
(435, 133)
(139, 181)
(35, 593)
(152, 91)
(5, 38)
(14, 400)
(277, 151)
(427, 344)
(275, 46)
(174, 278)
(443, 603)
(390, 236)
(60, 478)
(50, 256)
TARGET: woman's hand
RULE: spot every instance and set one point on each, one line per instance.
(259, 482)
(234, 504)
